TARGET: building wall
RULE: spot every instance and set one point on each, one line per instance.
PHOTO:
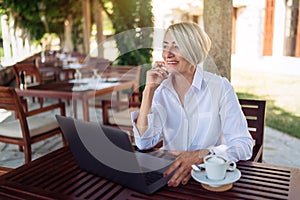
(250, 29)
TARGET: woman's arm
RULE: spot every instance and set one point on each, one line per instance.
(153, 79)
(237, 142)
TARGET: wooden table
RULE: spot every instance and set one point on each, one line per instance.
(57, 176)
(63, 90)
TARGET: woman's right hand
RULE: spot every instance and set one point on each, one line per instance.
(157, 74)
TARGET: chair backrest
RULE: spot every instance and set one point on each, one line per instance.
(9, 100)
(30, 71)
(124, 73)
(254, 111)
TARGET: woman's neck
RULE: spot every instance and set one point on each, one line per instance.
(182, 83)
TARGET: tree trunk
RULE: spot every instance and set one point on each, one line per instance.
(218, 25)
(86, 12)
(68, 44)
(6, 39)
(98, 19)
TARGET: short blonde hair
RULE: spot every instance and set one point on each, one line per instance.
(193, 42)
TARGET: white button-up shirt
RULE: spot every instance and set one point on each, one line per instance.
(210, 118)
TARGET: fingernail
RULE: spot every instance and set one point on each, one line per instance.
(169, 183)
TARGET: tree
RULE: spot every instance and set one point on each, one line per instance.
(128, 15)
(38, 17)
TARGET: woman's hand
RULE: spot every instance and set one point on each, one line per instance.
(183, 164)
(157, 74)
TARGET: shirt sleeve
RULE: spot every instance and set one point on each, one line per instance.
(236, 142)
(153, 133)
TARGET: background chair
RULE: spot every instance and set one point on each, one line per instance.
(31, 76)
(117, 113)
(118, 73)
(254, 110)
(29, 127)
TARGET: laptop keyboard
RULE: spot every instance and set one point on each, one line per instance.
(152, 177)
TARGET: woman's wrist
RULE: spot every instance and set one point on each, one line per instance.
(149, 89)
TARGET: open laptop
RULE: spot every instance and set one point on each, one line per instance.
(107, 152)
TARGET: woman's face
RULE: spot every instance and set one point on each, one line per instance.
(174, 60)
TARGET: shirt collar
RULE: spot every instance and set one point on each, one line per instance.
(198, 77)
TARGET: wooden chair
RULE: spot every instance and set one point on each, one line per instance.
(32, 76)
(121, 118)
(29, 127)
(119, 73)
(254, 110)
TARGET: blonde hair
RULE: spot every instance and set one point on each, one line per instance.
(193, 42)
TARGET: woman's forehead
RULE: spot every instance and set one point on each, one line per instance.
(169, 38)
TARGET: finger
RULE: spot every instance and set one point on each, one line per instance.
(159, 63)
(162, 72)
(172, 167)
(175, 153)
(176, 178)
(186, 179)
(182, 175)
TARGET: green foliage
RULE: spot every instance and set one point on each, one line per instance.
(37, 17)
(41, 16)
(131, 15)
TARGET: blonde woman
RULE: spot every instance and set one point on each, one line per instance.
(193, 111)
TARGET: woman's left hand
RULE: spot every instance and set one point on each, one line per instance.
(183, 164)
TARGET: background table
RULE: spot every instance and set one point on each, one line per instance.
(57, 176)
(63, 90)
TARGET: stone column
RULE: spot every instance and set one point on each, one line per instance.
(218, 25)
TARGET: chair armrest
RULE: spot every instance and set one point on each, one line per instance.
(135, 96)
(60, 105)
(107, 105)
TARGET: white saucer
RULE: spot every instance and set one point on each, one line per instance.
(231, 177)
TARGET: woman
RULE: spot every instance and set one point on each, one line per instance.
(192, 111)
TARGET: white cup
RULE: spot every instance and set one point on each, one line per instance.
(216, 167)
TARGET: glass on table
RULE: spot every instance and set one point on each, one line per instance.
(77, 74)
(95, 74)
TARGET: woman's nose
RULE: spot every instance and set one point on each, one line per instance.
(168, 53)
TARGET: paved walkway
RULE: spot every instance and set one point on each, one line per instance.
(281, 148)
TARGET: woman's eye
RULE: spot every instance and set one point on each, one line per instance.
(165, 47)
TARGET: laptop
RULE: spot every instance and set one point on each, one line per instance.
(107, 152)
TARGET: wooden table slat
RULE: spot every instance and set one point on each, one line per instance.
(257, 191)
(250, 178)
(32, 168)
(67, 184)
(80, 180)
(86, 184)
(261, 168)
(58, 179)
(27, 192)
(108, 195)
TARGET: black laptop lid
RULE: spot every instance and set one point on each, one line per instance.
(105, 151)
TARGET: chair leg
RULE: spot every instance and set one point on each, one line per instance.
(27, 152)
